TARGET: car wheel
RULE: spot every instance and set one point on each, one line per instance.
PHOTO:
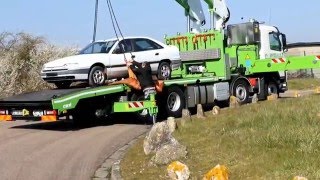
(164, 71)
(63, 84)
(97, 76)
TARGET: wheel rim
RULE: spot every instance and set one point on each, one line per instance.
(174, 101)
(272, 89)
(241, 92)
(98, 77)
(165, 71)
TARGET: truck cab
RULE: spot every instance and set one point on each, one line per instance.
(272, 42)
(273, 45)
(254, 41)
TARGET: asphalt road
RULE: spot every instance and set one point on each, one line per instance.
(58, 151)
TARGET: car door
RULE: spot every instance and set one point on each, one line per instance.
(117, 66)
(147, 50)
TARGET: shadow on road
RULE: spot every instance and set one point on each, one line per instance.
(126, 118)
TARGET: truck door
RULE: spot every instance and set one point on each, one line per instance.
(271, 45)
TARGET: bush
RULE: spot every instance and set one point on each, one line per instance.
(21, 58)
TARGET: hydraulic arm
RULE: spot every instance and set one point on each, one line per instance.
(195, 14)
(219, 14)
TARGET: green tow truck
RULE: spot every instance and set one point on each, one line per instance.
(234, 60)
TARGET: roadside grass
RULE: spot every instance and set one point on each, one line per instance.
(303, 83)
(270, 140)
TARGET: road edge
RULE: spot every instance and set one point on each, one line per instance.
(110, 169)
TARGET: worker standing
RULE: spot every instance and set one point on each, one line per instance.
(144, 76)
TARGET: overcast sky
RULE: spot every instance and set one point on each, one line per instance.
(70, 22)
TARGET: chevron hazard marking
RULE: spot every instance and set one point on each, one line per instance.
(279, 60)
(135, 104)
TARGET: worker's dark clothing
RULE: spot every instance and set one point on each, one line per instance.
(144, 74)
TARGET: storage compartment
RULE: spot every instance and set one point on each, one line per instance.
(206, 94)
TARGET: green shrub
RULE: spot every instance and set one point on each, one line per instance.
(21, 58)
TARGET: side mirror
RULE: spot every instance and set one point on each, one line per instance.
(284, 41)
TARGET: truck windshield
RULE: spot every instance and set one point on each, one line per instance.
(98, 47)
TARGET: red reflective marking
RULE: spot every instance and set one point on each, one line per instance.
(282, 60)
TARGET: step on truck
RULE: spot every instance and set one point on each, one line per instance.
(225, 60)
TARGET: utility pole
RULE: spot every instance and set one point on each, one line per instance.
(95, 21)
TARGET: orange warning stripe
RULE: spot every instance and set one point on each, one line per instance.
(48, 118)
(6, 118)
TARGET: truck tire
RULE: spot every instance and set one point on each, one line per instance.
(143, 116)
(272, 88)
(97, 77)
(240, 89)
(63, 84)
(164, 71)
(175, 102)
(83, 117)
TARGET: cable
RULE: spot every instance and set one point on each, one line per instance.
(95, 21)
(112, 21)
(112, 14)
(115, 19)
(114, 28)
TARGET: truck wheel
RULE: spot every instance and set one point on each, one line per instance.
(143, 116)
(240, 90)
(63, 84)
(83, 117)
(175, 102)
(97, 76)
(164, 71)
(272, 88)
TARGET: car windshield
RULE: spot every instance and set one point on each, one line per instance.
(98, 47)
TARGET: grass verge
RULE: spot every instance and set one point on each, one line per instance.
(303, 84)
(269, 140)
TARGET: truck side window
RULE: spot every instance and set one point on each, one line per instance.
(275, 43)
